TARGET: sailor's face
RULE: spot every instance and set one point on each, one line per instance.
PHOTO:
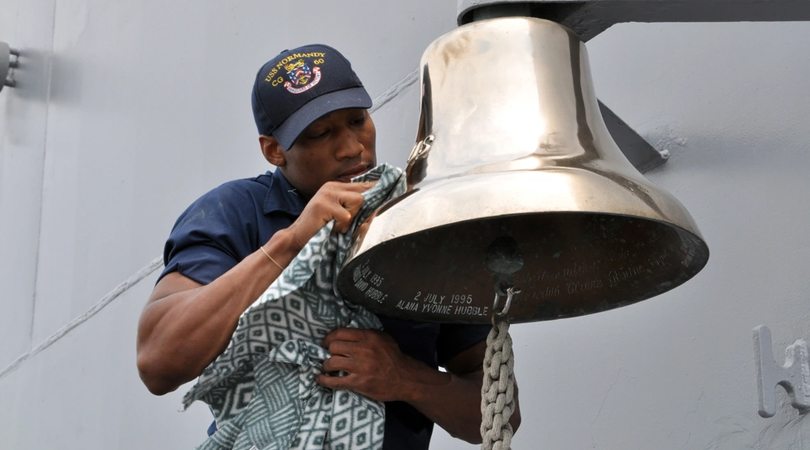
(337, 147)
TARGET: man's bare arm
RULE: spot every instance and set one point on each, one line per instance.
(185, 325)
(378, 369)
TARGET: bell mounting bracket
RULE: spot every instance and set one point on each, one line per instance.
(591, 17)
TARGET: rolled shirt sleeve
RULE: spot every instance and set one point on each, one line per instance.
(205, 243)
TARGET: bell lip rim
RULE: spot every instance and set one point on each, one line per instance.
(697, 234)
(355, 251)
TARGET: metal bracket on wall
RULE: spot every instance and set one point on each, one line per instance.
(794, 376)
(588, 18)
(7, 63)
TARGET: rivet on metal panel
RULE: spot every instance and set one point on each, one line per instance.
(794, 376)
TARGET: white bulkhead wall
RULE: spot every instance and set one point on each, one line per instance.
(124, 112)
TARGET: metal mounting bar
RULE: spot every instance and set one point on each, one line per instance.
(591, 17)
(6, 64)
(794, 376)
(638, 151)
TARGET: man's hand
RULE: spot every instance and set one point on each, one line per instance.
(376, 368)
(334, 200)
(374, 365)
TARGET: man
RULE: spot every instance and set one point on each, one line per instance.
(231, 244)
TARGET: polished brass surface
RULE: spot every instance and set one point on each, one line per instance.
(515, 181)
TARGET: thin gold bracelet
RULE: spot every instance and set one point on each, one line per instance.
(271, 258)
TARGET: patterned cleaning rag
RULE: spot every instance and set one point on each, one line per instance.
(262, 389)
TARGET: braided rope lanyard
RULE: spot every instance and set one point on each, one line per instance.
(498, 388)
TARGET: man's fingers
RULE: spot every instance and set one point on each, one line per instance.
(350, 201)
(343, 207)
(342, 383)
(342, 348)
(335, 200)
(342, 201)
(343, 217)
(360, 186)
(372, 361)
(338, 363)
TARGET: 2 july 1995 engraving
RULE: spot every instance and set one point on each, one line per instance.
(571, 279)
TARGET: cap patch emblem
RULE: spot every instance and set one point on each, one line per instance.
(300, 75)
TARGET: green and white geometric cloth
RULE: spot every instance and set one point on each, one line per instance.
(262, 389)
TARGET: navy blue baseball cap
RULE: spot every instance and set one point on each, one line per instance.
(299, 86)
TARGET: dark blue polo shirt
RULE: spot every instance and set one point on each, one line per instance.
(230, 222)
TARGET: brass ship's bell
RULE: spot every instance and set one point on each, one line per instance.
(516, 182)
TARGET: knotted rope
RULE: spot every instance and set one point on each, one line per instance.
(498, 388)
